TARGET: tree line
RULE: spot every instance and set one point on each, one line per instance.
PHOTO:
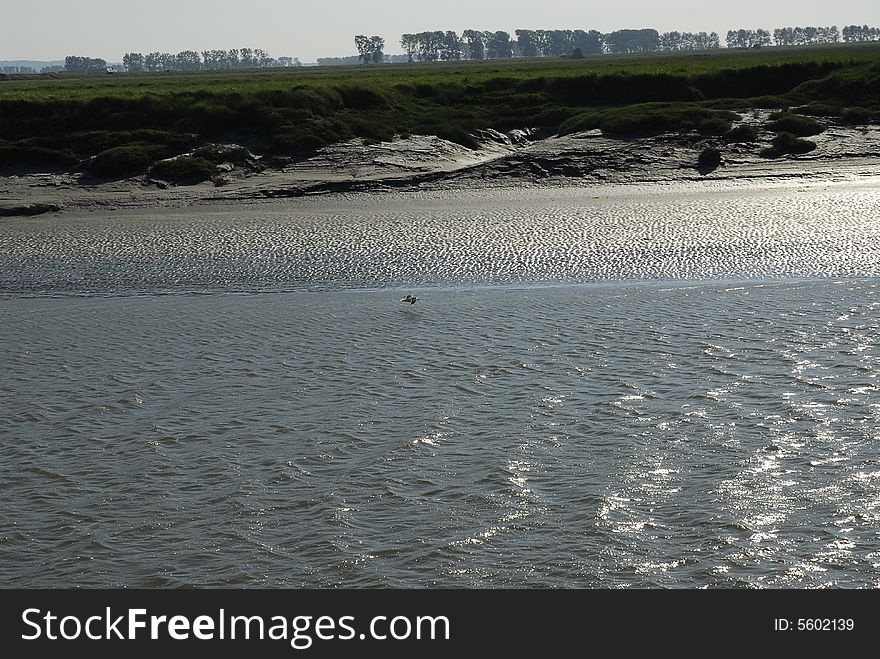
(207, 60)
(855, 33)
(805, 36)
(447, 46)
(786, 36)
(76, 64)
(187, 60)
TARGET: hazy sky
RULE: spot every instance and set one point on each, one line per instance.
(51, 29)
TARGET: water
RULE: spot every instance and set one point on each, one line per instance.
(663, 428)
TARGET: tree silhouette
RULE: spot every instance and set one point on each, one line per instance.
(410, 45)
(370, 49)
(632, 41)
(76, 64)
(476, 44)
(133, 62)
(526, 41)
(497, 45)
(377, 46)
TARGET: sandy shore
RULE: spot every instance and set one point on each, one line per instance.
(526, 158)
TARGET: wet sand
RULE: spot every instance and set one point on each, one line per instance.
(691, 230)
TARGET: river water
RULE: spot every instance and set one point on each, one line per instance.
(653, 388)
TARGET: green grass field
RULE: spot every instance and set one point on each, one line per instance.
(141, 118)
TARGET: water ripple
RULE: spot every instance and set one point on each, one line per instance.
(601, 435)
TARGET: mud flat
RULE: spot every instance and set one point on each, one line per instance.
(741, 229)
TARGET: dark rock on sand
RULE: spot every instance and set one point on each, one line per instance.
(29, 209)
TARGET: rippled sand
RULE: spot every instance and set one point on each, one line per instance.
(365, 241)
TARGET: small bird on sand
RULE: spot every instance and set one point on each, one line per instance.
(412, 299)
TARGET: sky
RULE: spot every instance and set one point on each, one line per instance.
(52, 29)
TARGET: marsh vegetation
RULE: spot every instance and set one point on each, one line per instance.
(126, 124)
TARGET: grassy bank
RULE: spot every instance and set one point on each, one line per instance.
(128, 122)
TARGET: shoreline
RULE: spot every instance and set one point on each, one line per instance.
(517, 160)
(622, 286)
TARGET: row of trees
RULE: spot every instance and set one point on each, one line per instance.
(748, 38)
(786, 36)
(631, 41)
(805, 36)
(207, 60)
(675, 41)
(75, 64)
(477, 45)
(554, 43)
(448, 46)
(801, 36)
(853, 33)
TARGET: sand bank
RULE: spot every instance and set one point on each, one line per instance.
(523, 158)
